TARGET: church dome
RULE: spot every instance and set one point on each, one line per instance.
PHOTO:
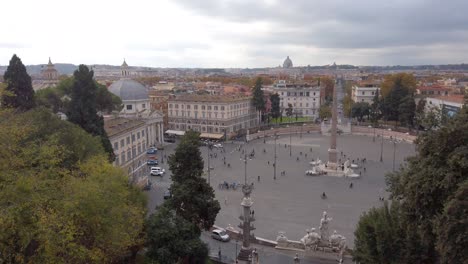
(287, 63)
(129, 90)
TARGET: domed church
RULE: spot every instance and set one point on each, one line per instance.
(287, 63)
(136, 128)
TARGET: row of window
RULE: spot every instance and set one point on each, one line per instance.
(295, 104)
(214, 115)
(296, 93)
(209, 107)
(295, 98)
(134, 136)
(129, 154)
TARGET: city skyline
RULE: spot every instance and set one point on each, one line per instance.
(235, 34)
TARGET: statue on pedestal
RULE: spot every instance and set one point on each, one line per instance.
(324, 226)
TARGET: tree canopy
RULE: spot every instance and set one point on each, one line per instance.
(192, 197)
(258, 96)
(19, 93)
(430, 191)
(360, 110)
(398, 89)
(83, 107)
(275, 105)
(61, 200)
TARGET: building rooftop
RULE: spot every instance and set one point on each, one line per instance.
(459, 98)
(210, 98)
(115, 126)
(129, 90)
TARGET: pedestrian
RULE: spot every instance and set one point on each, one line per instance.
(268, 162)
(306, 155)
(258, 178)
(297, 159)
(253, 212)
(310, 149)
(219, 253)
(225, 200)
(364, 169)
(300, 153)
(351, 185)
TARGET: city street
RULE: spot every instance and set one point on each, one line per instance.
(292, 203)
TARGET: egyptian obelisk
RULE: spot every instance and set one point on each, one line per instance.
(332, 152)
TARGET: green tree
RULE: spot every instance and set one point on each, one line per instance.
(171, 238)
(275, 105)
(419, 113)
(394, 89)
(83, 107)
(192, 197)
(18, 93)
(375, 109)
(258, 97)
(325, 112)
(360, 110)
(407, 110)
(377, 236)
(49, 98)
(452, 228)
(327, 84)
(289, 110)
(61, 200)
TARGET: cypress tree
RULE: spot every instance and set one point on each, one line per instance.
(82, 110)
(19, 93)
(258, 99)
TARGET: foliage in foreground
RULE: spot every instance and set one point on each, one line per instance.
(61, 200)
(173, 232)
(431, 190)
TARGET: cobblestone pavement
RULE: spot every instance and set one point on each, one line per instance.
(292, 202)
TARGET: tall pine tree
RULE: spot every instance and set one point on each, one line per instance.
(82, 110)
(19, 93)
(275, 105)
(258, 97)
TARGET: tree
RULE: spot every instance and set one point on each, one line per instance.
(83, 107)
(61, 200)
(420, 113)
(18, 93)
(192, 197)
(406, 111)
(328, 84)
(452, 228)
(428, 189)
(394, 89)
(172, 238)
(325, 112)
(377, 236)
(289, 110)
(275, 105)
(359, 110)
(258, 97)
(375, 109)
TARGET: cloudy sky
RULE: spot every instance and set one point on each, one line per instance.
(235, 33)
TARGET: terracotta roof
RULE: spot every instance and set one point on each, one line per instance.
(118, 125)
(433, 88)
(451, 98)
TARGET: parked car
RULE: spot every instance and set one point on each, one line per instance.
(157, 171)
(167, 194)
(169, 139)
(152, 162)
(152, 151)
(220, 234)
(218, 145)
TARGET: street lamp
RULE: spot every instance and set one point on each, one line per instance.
(381, 147)
(274, 164)
(394, 152)
(290, 146)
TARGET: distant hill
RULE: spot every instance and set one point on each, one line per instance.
(62, 68)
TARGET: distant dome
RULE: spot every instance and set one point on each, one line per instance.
(287, 63)
(129, 90)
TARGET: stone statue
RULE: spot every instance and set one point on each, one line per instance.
(324, 226)
(338, 243)
(311, 239)
(347, 164)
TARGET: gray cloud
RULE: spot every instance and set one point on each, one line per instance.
(343, 24)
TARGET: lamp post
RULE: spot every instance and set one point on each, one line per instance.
(209, 168)
(290, 146)
(381, 147)
(394, 152)
(274, 164)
